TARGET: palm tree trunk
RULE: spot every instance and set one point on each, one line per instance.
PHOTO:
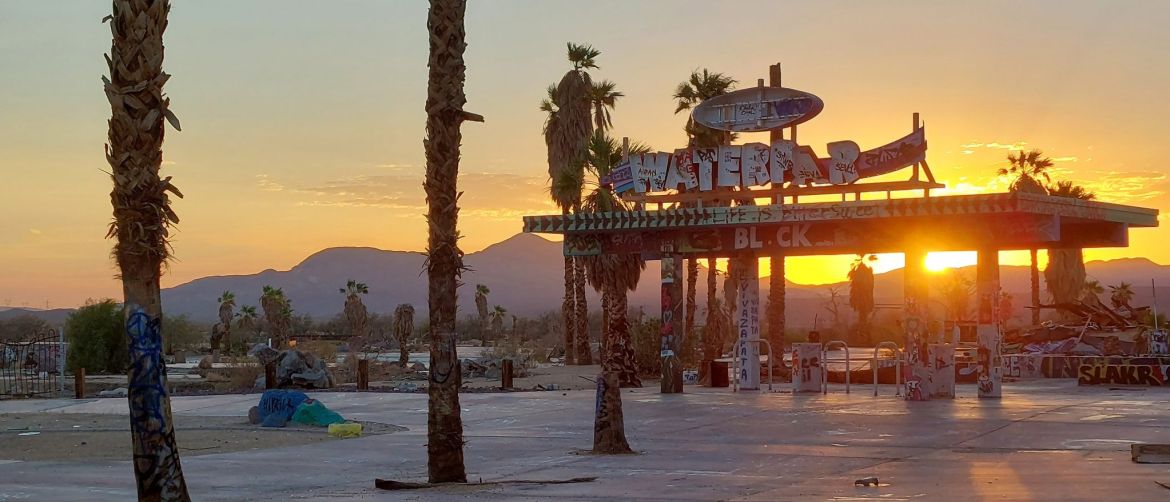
(689, 328)
(569, 312)
(620, 348)
(1034, 272)
(142, 217)
(609, 431)
(445, 100)
(776, 297)
(581, 312)
(708, 342)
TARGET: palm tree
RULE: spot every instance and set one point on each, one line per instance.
(445, 115)
(1120, 296)
(696, 89)
(1026, 170)
(247, 317)
(861, 294)
(227, 308)
(1065, 274)
(142, 221)
(603, 97)
(498, 314)
(403, 328)
(1093, 289)
(277, 314)
(566, 134)
(956, 293)
(481, 303)
(612, 275)
(355, 313)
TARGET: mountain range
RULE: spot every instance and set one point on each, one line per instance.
(525, 274)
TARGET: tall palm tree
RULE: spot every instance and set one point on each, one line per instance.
(481, 304)
(356, 314)
(277, 314)
(699, 87)
(445, 115)
(142, 221)
(1120, 295)
(1093, 289)
(566, 133)
(1026, 170)
(403, 328)
(227, 309)
(498, 314)
(861, 294)
(1065, 273)
(247, 317)
(612, 275)
(603, 97)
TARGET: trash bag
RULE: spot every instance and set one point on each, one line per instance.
(313, 412)
(278, 406)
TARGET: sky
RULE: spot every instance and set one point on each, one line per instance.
(303, 121)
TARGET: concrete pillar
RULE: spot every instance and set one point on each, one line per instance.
(672, 323)
(919, 371)
(942, 363)
(807, 367)
(989, 357)
(747, 322)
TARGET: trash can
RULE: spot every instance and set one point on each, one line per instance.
(719, 374)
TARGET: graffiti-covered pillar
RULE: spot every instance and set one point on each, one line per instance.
(920, 370)
(747, 321)
(672, 323)
(987, 331)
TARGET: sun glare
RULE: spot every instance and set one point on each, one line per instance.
(943, 260)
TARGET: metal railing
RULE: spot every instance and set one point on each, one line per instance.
(897, 367)
(825, 365)
(735, 362)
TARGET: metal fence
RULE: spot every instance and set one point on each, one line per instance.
(32, 367)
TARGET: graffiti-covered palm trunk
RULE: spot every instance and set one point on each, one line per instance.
(569, 312)
(142, 218)
(619, 347)
(445, 100)
(581, 313)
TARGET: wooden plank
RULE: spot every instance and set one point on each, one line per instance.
(1150, 453)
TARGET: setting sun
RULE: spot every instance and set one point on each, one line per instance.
(940, 261)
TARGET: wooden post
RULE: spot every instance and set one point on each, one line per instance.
(79, 384)
(506, 374)
(777, 293)
(270, 375)
(363, 374)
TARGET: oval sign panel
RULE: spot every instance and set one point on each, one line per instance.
(757, 109)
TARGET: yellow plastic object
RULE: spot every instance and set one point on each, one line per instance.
(346, 430)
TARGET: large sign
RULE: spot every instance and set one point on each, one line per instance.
(757, 109)
(757, 164)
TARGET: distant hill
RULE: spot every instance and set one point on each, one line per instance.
(524, 273)
(56, 317)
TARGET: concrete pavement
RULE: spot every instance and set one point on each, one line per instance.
(1045, 440)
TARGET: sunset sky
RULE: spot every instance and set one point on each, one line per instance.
(303, 121)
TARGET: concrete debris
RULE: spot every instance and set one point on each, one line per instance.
(489, 367)
(118, 392)
(872, 480)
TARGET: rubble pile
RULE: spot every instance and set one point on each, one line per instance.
(1089, 328)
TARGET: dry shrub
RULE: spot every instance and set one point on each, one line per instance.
(243, 377)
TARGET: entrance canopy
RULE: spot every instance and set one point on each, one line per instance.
(1003, 221)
